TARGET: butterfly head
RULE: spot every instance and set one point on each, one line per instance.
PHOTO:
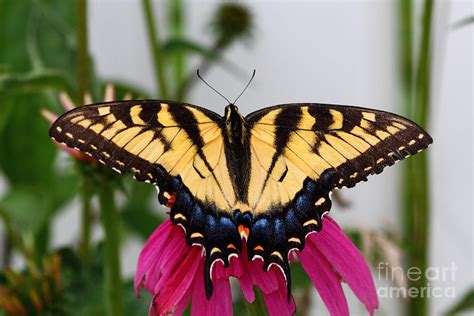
(232, 115)
(234, 121)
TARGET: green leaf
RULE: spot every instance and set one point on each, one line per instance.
(464, 305)
(52, 34)
(180, 45)
(12, 34)
(31, 208)
(27, 152)
(141, 222)
(27, 208)
(62, 187)
(43, 40)
(17, 84)
(5, 112)
(136, 305)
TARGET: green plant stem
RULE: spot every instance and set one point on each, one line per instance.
(406, 53)
(155, 45)
(416, 178)
(177, 32)
(417, 233)
(83, 72)
(83, 67)
(86, 219)
(111, 223)
(7, 251)
(423, 82)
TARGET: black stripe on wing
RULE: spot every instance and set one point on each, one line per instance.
(290, 117)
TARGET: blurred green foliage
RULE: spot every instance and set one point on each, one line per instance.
(44, 50)
(35, 189)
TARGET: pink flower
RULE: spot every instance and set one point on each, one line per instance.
(173, 273)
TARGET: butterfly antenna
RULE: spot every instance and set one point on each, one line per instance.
(248, 84)
(199, 76)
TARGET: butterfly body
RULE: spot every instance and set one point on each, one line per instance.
(237, 154)
(262, 181)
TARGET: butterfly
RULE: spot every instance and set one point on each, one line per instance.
(265, 178)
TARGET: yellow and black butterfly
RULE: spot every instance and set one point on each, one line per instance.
(265, 177)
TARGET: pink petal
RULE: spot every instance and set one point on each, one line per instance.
(247, 288)
(235, 267)
(246, 285)
(219, 271)
(151, 251)
(66, 101)
(49, 116)
(325, 280)
(254, 274)
(184, 302)
(277, 301)
(109, 93)
(127, 96)
(242, 264)
(347, 260)
(88, 98)
(178, 283)
(221, 299)
(172, 255)
(267, 281)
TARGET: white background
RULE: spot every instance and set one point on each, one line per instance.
(341, 52)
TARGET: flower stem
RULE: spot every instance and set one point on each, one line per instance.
(406, 53)
(83, 70)
(422, 97)
(177, 32)
(155, 45)
(111, 223)
(86, 220)
(416, 185)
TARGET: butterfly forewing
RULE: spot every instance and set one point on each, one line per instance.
(334, 145)
(153, 140)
